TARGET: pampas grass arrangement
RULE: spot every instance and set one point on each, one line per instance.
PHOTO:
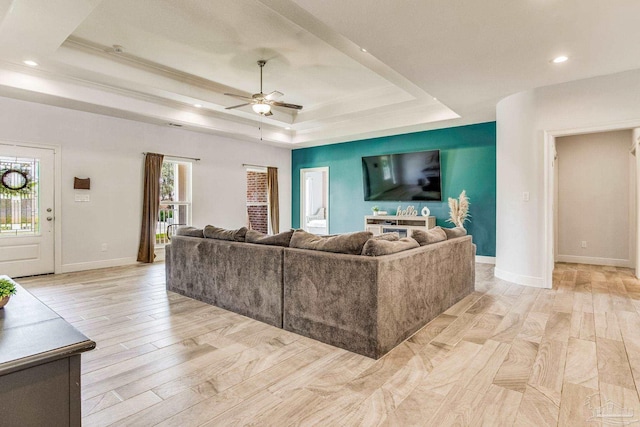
(459, 210)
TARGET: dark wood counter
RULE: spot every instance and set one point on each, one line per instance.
(39, 364)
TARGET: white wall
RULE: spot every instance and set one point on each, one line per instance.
(109, 151)
(523, 230)
(594, 198)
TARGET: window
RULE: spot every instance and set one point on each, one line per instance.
(175, 198)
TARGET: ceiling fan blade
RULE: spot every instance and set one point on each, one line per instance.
(246, 98)
(285, 105)
(268, 113)
(273, 95)
(237, 106)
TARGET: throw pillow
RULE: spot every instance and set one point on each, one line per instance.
(433, 235)
(190, 231)
(392, 237)
(452, 233)
(385, 247)
(211, 232)
(280, 239)
(350, 243)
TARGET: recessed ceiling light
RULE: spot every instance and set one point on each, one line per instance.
(560, 59)
(31, 63)
(435, 99)
(197, 105)
(288, 128)
(363, 49)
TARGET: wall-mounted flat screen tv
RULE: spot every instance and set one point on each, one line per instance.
(403, 177)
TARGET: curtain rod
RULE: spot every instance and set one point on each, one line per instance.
(178, 157)
(247, 165)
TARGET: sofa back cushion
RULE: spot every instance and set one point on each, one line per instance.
(391, 237)
(349, 243)
(433, 235)
(376, 247)
(212, 232)
(280, 239)
(452, 233)
(190, 232)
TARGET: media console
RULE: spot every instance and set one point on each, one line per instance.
(404, 225)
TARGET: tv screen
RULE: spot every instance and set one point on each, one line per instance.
(403, 177)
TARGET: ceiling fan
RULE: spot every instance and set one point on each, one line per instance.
(261, 103)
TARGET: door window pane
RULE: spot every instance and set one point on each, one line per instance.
(19, 197)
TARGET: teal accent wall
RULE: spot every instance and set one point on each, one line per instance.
(468, 162)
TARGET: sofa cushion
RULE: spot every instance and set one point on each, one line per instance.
(391, 237)
(375, 247)
(452, 233)
(280, 239)
(349, 243)
(211, 232)
(190, 232)
(433, 235)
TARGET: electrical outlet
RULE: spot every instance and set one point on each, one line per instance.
(583, 244)
(525, 196)
(104, 247)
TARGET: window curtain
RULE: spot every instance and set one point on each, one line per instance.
(274, 204)
(150, 206)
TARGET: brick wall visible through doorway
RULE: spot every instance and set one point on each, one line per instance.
(257, 201)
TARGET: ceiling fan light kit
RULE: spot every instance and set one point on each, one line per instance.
(261, 108)
(260, 102)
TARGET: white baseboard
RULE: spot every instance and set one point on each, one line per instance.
(480, 259)
(613, 262)
(518, 279)
(92, 265)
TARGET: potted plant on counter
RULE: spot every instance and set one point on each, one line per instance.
(7, 288)
(375, 210)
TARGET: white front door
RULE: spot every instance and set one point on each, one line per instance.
(26, 211)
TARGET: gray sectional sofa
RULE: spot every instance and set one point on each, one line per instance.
(364, 304)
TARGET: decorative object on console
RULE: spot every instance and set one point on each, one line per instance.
(410, 211)
(376, 211)
(426, 211)
(459, 210)
(7, 288)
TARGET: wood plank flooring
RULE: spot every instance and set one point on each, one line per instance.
(505, 355)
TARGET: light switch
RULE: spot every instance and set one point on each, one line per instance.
(82, 197)
(525, 196)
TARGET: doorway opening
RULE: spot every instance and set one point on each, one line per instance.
(592, 195)
(314, 200)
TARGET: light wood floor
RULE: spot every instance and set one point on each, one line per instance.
(505, 355)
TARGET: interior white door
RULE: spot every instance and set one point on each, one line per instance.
(26, 211)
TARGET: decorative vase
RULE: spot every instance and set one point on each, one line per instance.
(425, 211)
(4, 300)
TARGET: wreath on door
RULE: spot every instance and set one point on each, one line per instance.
(15, 181)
